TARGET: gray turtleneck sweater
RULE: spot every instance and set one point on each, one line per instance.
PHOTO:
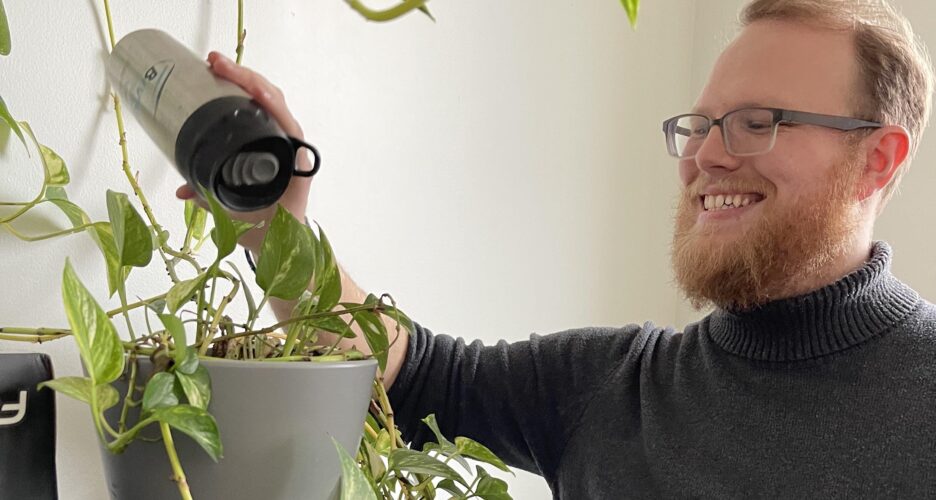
(826, 395)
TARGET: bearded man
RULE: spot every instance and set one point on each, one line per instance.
(814, 376)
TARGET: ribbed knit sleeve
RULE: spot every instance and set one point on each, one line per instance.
(522, 400)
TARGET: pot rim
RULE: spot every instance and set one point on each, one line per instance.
(284, 365)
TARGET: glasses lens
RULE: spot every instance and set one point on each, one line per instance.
(749, 131)
(686, 135)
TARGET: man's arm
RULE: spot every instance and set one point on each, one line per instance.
(295, 200)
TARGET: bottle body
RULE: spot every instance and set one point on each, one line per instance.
(218, 138)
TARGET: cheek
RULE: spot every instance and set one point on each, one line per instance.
(687, 171)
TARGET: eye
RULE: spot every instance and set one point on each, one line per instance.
(757, 126)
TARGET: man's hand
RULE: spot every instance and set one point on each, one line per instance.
(271, 98)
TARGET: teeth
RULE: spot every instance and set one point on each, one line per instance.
(725, 202)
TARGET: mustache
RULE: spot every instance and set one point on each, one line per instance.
(699, 186)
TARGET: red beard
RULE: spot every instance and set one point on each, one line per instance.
(774, 255)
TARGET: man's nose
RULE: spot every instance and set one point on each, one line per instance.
(713, 157)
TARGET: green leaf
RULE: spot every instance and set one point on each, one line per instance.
(354, 484)
(450, 486)
(55, 193)
(14, 126)
(4, 32)
(195, 218)
(189, 362)
(56, 173)
(374, 461)
(195, 422)
(333, 324)
(401, 318)
(104, 238)
(132, 236)
(223, 234)
(80, 389)
(196, 386)
(375, 332)
(175, 328)
(287, 258)
(157, 306)
(383, 442)
(182, 291)
(425, 10)
(405, 460)
(328, 278)
(445, 446)
(160, 238)
(93, 331)
(631, 6)
(477, 451)
(241, 227)
(160, 392)
(491, 488)
(103, 235)
(444, 443)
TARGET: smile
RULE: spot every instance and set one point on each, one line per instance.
(729, 201)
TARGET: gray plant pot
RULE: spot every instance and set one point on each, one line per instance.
(276, 422)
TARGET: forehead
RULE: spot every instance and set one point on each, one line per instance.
(783, 64)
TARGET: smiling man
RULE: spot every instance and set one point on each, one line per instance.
(814, 376)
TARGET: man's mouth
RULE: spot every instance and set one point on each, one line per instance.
(729, 201)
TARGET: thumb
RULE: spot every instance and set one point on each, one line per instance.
(185, 192)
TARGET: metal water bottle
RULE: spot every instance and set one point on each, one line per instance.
(218, 138)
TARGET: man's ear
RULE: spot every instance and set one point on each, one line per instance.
(885, 151)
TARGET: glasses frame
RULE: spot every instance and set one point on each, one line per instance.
(843, 123)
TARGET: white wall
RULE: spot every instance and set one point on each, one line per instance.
(500, 171)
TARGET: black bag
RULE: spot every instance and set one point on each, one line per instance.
(27, 428)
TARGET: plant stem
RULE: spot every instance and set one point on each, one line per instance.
(14, 232)
(33, 335)
(131, 386)
(135, 305)
(178, 475)
(125, 155)
(186, 257)
(241, 32)
(387, 411)
(203, 349)
(122, 292)
(387, 14)
(253, 318)
(200, 325)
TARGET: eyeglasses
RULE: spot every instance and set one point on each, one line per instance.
(746, 131)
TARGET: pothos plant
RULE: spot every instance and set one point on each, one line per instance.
(176, 395)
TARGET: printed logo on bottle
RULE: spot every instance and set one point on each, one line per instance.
(149, 88)
(13, 413)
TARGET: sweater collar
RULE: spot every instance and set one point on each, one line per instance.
(861, 305)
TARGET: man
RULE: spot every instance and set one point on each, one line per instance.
(816, 373)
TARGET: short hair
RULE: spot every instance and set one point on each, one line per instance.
(895, 70)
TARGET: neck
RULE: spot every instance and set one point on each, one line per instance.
(851, 256)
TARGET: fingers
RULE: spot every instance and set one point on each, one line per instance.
(185, 192)
(269, 96)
